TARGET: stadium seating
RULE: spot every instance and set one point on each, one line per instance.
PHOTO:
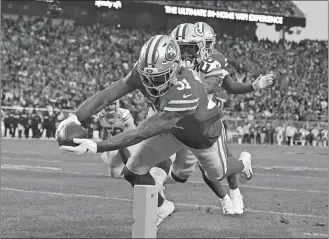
(60, 65)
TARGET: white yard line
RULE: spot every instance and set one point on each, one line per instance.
(178, 204)
(29, 159)
(25, 167)
(60, 170)
(266, 188)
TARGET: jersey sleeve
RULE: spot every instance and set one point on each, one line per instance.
(183, 96)
(215, 65)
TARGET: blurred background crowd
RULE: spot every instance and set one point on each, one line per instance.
(55, 65)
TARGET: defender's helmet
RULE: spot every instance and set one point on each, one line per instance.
(110, 112)
(191, 42)
(158, 64)
(209, 36)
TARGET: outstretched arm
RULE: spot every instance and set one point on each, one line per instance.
(101, 99)
(233, 87)
(155, 125)
(159, 123)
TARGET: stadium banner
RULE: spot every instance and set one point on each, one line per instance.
(89, 12)
(220, 14)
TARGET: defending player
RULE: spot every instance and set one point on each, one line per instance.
(197, 48)
(114, 120)
(185, 118)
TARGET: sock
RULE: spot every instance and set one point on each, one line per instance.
(159, 175)
(215, 186)
(235, 191)
(224, 198)
(233, 178)
(233, 181)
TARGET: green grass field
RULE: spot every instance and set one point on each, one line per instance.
(45, 193)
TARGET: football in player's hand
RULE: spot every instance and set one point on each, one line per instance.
(66, 135)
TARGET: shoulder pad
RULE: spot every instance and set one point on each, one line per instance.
(219, 57)
(219, 72)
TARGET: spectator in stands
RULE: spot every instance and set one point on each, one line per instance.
(263, 133)
(6, 121)
(25, 123)
(279, 133)
(324, 137)
(309, 136)
(252, 134)
(36, 125)
(303, 133)
(240, 133)
(246, 132)
(290, 132)
(315, 135)
(258, 130)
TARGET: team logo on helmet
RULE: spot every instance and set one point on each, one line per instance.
(198, 31)
(171, 51)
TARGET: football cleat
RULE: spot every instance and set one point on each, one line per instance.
(166, 209)
(238, 206)
(227, 205)
(247, 173)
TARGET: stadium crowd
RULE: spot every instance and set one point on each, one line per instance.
(280, 133)
(58, 65)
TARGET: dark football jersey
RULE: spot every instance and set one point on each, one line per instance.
(198, 130)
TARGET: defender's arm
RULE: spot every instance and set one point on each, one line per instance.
(234, 87)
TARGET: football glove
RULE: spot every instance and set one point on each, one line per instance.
(69, 120)
(85, 146)
(262, 82)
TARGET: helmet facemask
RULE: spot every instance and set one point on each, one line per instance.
(111, 112)
(192, 53)
(158, 84)
(210, 45)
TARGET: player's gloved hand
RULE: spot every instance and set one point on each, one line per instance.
(85, 146)
(69, 120)
(262, 82)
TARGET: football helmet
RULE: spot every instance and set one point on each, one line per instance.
(191, 43)
(209, 36)
(158, 63)
(110, 112)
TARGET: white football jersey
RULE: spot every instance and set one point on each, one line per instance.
(124, 121)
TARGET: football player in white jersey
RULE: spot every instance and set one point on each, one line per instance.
(114, 120)
(197, 48)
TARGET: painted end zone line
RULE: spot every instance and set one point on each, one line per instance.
(24, 167)
(206, 207)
